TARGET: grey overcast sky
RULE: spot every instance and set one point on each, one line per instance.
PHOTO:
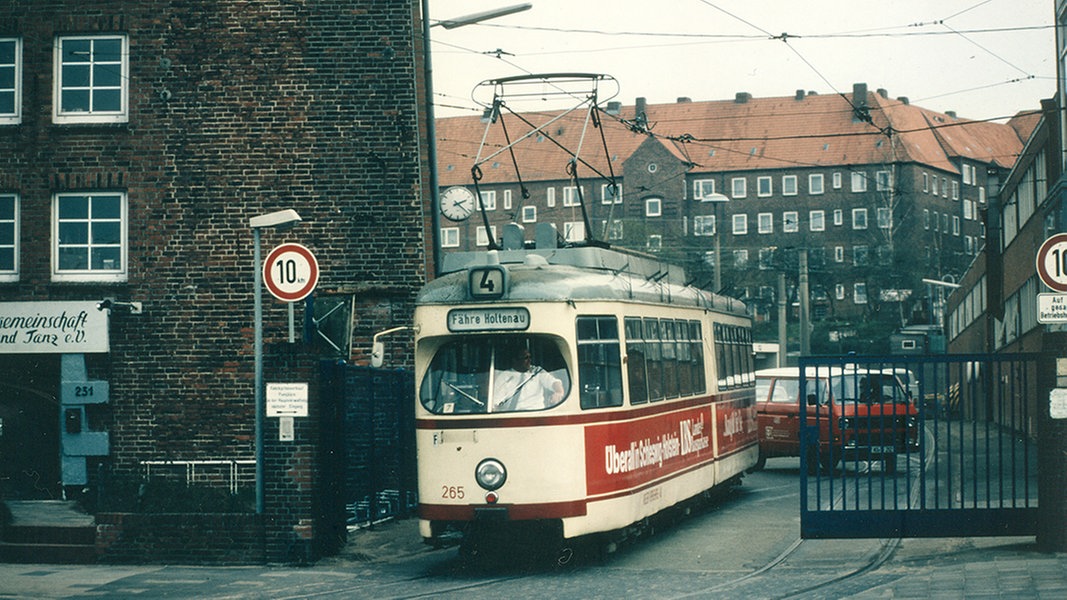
(984, 59)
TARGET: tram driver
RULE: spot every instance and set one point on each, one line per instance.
(522, 386)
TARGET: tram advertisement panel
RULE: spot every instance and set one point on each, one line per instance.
(736, 425)
(620, 456)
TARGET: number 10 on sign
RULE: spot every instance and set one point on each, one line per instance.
(290, 272)
(1052, 262)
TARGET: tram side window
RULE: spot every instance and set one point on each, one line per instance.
(696, 346)
(635, 361)
(670, 358)
(733, 354)
(654, 360)
(599, 362)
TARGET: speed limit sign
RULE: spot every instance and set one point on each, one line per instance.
(1052, 262)
(290, 272)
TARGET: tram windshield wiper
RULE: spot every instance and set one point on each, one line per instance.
(465, 394)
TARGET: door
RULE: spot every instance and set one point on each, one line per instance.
(29, 427)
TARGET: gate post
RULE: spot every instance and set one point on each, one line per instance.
(1052, 452)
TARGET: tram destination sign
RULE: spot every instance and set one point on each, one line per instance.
(490, 318)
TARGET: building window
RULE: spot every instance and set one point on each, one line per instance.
(839, 217)
(885, 218)
(507, 199)
(740, 258)
(654, 207)
(450, 237)
(610, 193)
(550, 197)
(89, 237)
(926, 182)
(859, 218)
(764, 186)
(91, 77)
(703, 189)
(738, 187)
(926, 218)
(861, 256)
(839, 254)
(572, 196)
(837, 181)
(817, 220)
(859, 181)
(740, 226)
(10, 80)
(704, 225)
(790, 221)
(815, 184)
(955, 190)
(574, 231)
(488, 199)
(529, 214)
(955, 226)
(839, 291)
(766, 259)
(883, 181)
(859, 293)
(765, 223)
(944, 187)
(481, 238)
(789, 185)
(933, 185)
(615, 232)
(9, 237)
(655, 242)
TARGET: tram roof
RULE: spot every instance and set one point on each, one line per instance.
(580, 274)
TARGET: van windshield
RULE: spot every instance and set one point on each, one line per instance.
(481, 374)
(867, 388)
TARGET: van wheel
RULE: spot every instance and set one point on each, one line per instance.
(760, 463)
(829, 462)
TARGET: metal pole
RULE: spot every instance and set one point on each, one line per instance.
(718, 250)
(431, 140)
(783, 338)
(805, 315)
(256, 259)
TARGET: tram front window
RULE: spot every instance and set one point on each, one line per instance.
(480, 374)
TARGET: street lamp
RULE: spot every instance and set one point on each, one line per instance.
(719, 200)
(431, 128)
(280, 220)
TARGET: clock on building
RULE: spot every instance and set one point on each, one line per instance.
(457, 203)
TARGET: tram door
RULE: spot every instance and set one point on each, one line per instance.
(29, 427)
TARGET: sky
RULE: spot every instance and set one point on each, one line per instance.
(983, 59)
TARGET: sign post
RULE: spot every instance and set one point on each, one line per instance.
(290, 273)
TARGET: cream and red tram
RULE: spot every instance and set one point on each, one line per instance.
(657, 402)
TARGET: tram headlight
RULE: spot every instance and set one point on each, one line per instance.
(490, 474)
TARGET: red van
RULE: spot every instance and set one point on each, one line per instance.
(861, 414)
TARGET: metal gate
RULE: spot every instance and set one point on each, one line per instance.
(932, 446)
(369, 442)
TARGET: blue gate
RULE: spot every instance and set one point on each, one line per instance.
(932, 446)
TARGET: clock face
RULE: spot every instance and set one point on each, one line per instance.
(457, 203)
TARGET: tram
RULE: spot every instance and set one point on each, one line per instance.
(573, 391)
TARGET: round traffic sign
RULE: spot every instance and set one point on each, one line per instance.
(290, 272)
(1052, 262)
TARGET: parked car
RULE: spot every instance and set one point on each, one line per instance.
(859, 413)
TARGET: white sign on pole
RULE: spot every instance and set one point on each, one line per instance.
(1052, 262)
(290, 272)
(1057, 403)
(287, 399)
(1052, 308)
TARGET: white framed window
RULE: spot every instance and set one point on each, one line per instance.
(488, 199)
(529, 214)
(550, 197)
(507, 199)
(926, 182)
(480, 238)
(944, 187)
(861, 255)
(10, 80)
(839, 217)
(859, 181)
(615, 232)
(571, 196)
(740, 258)
(574, 231)
(9, 237)
(837, 181)
(89, 236)
(653, 207)
(969, 210)
(703, 189)
(766, 258)
(738, 187)
(926, 218)
(817, 220)
(704, 225)
(610, 193)
(764, 186)
(933, 185)
(859, 218)
(968, 174)
(765, 223)
(859, 293)
(839, 254)
(955, 226)
(91, 79)
(655, 242)
(884, 217)
(839, 291)
(450, 237)
(740, 224)
(790, 221)
(789, 185)
(955, 190)
(816, 184)
(883, 181)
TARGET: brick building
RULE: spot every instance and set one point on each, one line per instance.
(137, 139)
(879, 194)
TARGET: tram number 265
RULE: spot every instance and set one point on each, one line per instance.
(452, 492)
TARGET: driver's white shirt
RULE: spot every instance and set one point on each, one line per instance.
(532, 394)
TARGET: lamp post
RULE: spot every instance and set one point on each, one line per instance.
(719, 200)
(281, 220)
(431, 128)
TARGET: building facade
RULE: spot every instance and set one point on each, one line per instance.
(877, 193)
(137, 140)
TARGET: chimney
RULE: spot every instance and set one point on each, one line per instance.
(614, 107)
(800, 95)
(640, 118)
(883, 93)
(951, 113)
(903, 100)
(742, 97)
(684, 100)
(860, 111)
